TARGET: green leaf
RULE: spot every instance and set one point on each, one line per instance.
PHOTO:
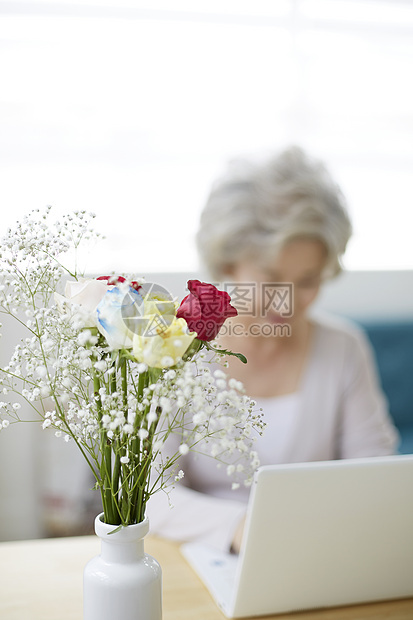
(115, 530)
(240, 356)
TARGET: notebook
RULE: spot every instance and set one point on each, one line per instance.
(317, 535)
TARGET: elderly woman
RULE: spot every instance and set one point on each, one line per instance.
(272, 233)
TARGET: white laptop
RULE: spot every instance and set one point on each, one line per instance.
(317, 535)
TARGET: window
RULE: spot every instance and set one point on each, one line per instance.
(131, 108)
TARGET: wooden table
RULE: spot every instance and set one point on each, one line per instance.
(42, 580)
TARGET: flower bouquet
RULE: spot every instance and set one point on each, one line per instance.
(117, 366)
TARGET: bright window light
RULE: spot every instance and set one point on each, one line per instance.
(130, 109)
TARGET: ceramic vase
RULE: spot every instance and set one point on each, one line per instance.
(123, 582)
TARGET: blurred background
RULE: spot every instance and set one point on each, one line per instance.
(131, 108)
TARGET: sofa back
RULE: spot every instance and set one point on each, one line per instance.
(392, 342)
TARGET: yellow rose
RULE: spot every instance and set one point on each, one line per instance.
(155, 311)
(166, 347)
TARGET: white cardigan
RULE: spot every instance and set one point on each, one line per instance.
(338, 412)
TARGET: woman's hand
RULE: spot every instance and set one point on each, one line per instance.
(237, 540)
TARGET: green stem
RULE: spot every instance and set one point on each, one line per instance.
(135, 508)
(117, 473)
(141, 488)
(124, 383)
(106, 464)
(115, 486)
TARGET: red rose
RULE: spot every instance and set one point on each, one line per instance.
(205, 309)
(112, 280)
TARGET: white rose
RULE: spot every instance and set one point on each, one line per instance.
(86, 294)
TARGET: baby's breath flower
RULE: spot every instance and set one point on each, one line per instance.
(151, 417)
(102, 398)
(84, 337)
(143, 433)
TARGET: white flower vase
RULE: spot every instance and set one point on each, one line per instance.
(122, 582)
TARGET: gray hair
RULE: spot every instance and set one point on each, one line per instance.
(256, 208)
